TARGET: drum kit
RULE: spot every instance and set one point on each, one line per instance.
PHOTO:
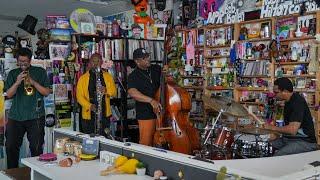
(224, 142)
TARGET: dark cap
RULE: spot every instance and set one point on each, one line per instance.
(140, 53)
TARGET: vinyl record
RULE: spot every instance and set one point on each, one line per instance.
(81, 15)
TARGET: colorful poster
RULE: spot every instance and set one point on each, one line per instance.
(63, 114)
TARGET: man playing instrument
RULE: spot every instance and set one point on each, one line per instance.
(87, 97)
(26, 86)
(143, 83)
(298, 134)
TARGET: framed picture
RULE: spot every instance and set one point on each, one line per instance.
(87, 28)
(58, 51)
(101, 28)
(160, 31)
(137, 31)
(301, 83)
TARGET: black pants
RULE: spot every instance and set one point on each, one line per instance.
(88, 126)
(15, 131)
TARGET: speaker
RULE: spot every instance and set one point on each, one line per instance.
(28, 24)
(160, 4)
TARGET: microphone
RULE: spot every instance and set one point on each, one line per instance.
(107, 131)
(98, 69)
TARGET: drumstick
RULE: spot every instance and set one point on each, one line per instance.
(261, 122)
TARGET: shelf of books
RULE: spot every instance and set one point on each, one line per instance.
(219, 70)
(265, 50)
(193, 73)
(254, 65)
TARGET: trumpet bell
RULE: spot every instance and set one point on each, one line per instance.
(29, 90)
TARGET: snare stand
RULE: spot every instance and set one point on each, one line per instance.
(214, 122)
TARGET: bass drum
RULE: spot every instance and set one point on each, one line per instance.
(251, 146)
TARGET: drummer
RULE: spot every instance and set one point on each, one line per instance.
(298, 131)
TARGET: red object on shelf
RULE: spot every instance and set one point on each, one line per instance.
(48, 157)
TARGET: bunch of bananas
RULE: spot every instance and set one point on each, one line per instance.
(121, 165)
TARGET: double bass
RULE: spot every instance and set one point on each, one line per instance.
(173, 128)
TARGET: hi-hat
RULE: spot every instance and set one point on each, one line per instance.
(227, 105)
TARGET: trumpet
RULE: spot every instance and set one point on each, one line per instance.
(28, 88)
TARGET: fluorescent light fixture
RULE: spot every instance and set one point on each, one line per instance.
(103, 2)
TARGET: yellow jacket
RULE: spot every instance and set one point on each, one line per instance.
(83, 93)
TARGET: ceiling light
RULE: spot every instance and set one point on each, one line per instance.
(103, 2)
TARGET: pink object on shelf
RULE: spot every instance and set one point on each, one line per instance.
(48, 157)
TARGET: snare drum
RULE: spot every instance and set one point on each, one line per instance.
(225, 138)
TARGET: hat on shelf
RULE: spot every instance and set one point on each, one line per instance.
(140, 53)
(28, 24)
(9, 40)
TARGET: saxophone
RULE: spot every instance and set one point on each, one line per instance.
(99, 96)
(28, 88)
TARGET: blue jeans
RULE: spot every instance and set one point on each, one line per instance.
(286, 146)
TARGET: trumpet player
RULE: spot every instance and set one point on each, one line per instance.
(26, 86)
(93, 82)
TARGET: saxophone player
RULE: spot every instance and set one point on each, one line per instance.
(87, 90)
(26, 86)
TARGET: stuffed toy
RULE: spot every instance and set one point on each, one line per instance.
(243, 33)
(273, 49)
(43, 44)
(141, 16)
(124, 29)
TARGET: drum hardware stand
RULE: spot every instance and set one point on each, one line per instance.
(214, 122)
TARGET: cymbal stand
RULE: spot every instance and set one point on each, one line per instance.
(214, 122)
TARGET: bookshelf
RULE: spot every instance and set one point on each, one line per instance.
(119, 51)
(254, 64)
(219, 71)
(193, 76)
(253, 39)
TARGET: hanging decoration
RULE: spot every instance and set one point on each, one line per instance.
(43, 44)
(207, 6)
(141, 16)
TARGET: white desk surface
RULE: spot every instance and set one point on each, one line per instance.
(280, 167)
(83, 170)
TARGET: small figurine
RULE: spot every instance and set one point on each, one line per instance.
(274, 52)
(124, 29)
(243, 33)
(43, 44)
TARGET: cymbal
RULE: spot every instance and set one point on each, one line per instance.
(257, 131)
(228, 105)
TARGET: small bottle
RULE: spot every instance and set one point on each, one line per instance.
(109, 29)
(93, 46)
(266, 31)
(115, 29)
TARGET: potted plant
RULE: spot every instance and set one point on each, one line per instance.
(141, 169)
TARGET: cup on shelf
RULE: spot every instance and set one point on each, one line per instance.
(298, 33)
